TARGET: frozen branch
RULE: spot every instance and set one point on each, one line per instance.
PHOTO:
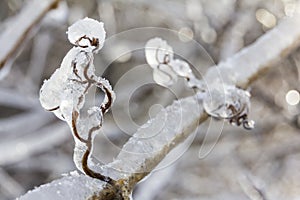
(221, 101)
(140, 156)
(20, 26)
(74, 186)
(153, 141)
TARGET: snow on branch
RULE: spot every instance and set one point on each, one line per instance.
(146, 149)
(64, 93)
(20, 26)
(73, 186)
(221, 101)
(140, 156)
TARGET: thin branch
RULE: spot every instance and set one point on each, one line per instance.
(37, 142)
(16, 123)
(12, 98)
(9, 185)
(37, 61)
(250, 63)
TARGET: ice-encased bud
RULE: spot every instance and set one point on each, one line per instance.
(181, 68)
(160, 57)
(157, 51)
(87, 33)
(225, 101)
(164, 76)
(228, 102)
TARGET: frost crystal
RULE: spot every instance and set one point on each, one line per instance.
(64, 93)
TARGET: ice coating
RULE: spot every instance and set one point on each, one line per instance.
(228, 102)
(245, 75)
(59, 88)
(222, 101)
(148, 145)
(87, 33)
(64, 92)
(164, 75)
(193, 82)
(166, 69)
(181, 68)
(157, 52)
(64, 188)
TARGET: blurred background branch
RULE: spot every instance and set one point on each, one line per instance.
(19, 28)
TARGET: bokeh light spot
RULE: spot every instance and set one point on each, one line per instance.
(266, 18)
(292, 97)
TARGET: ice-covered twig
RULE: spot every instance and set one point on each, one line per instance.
(21, 25)
(137, 164)
(154, 140)
(74, 186)
(64, 94)
(258, 57)
(230, 103)
(219, 101)
(166, 69)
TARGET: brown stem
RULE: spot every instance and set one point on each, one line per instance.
(53, 109)
(75, 116)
